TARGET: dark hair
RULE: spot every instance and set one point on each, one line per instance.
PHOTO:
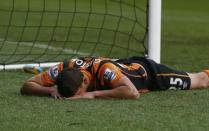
(68, 81)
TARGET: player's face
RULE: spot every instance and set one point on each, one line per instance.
(84, 85)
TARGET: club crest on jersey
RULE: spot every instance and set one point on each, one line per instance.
(109, 75)
(53, 72)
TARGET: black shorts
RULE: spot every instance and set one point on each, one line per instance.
(161, 77)
(164, 78)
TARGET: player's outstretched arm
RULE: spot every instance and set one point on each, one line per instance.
(123, 89)
(34, 86)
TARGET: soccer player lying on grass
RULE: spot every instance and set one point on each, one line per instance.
(90, 77)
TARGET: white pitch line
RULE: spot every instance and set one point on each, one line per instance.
(195, 17)
(43, 46)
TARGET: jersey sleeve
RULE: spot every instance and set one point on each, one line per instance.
(49, 77)
(109, 74)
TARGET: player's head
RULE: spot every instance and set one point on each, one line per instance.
(69, 81)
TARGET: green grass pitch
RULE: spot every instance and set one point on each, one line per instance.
(185, 45)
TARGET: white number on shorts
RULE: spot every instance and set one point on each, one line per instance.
(176, 81)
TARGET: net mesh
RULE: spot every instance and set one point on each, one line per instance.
(53, 30)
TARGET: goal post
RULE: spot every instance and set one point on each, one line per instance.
(154, 33)
(44, 32)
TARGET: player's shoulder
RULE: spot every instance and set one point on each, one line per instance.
(108, 68)
(109, 73)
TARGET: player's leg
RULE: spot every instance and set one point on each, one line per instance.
(167, 78)
(199, 80)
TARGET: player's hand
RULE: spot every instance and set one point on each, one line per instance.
(86, 95)
(55, 94)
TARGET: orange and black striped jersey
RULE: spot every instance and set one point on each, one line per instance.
(103, 72)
